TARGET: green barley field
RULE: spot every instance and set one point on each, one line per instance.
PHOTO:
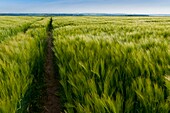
(104, 64)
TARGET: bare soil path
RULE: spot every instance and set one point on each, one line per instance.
(51, 99)
(48, 101)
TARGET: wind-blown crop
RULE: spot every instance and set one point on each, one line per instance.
(113, 64)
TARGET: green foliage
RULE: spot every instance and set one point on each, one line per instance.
(11, 26)
(113, 64)
(21, 63)
(106, 64)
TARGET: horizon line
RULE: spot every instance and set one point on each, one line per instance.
(78, 14)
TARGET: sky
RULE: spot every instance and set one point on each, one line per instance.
(86, 6)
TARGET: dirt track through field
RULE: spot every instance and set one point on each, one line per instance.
(51, 99)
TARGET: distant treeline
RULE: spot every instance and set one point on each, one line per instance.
(77, 14)
(65, 14)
